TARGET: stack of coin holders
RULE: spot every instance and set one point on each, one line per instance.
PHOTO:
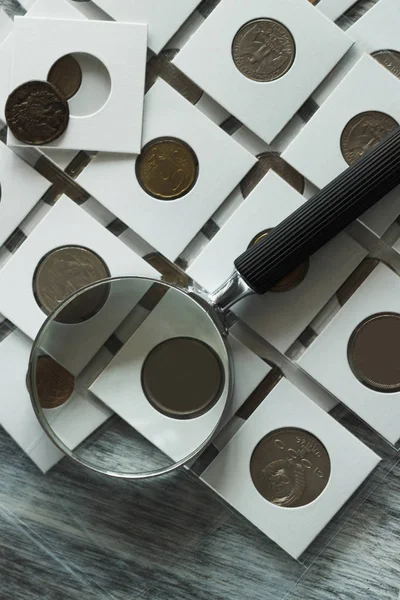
(279, 459)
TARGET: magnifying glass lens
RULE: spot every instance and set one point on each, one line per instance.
(130, 377)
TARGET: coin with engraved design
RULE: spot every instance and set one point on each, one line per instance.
(54, 384)
(263, 50)
(290, 467)
(389, 59)
(167, 168)
(363, 133)
(37, 113)
(63, 272)
(66, 76)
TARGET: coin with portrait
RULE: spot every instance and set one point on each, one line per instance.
(389, 59)
(263, 50)
(290, 467)
(37, 113)
(363, 133)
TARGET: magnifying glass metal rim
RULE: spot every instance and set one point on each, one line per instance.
(213, 317)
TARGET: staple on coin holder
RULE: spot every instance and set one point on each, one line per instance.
(317, 152)
(207, 59)
(17, 415)
(222, 163)
(163, 20)
(278, 317)
(327, 360)
(67, 225)
(177, 435)
(293, 529)
(107, 127)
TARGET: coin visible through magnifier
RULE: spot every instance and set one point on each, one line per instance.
(266, 162)
(290, 467)
(263, 50)
(37, 113)
(54, 384)
(183, 378)
(63, 272)
(66, 76)
(363, 133)
(293, 279)
(373, 352)
(389, 59)
(167, 168)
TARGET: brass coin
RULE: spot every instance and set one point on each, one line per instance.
(373, 352)
(183, 378)
(37, 113)
(293, 279)
(363, 133)
(66, 76)
(267, 161)
(389, 59)
(63, 272)
(290, 467)
(167, 168)
(54, 384)
(263, 50)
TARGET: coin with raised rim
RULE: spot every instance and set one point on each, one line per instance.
(363, 133)
(66, 76)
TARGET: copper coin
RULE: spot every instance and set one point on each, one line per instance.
(389, 59)
(267, 161)
(373, 352)
(263, 50)
(167, 168)
(54, 384)
(37, 113)
(363, 133)
(293, 279)
(290, 467)
(63, 272)
(183, 378)
(66, 76)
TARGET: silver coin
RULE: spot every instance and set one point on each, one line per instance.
(263, 50)
(389, 59)
(363, 133)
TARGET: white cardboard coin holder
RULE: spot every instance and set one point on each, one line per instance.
(277, 317)
(117, 125)
(375, 30)
(326, 359)
(21, 188)
(333, 10)
(316, 152)
(291, 528)
(164, 17)
(207, 59)
(170, 225)
(175, 437)
(73, 422)
(66, 224)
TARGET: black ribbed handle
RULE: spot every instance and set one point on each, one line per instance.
(322, 217)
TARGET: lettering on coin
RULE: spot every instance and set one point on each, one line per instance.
(266, 162)
(54, 384)
(389, 59)
(290, 467)
(167, 168)
(363, 133)
(293, 279)
(37, 113)
(63, 272)
(263, 50)
(66, 76)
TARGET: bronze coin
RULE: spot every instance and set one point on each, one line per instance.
(63, 272)
(290, 467)
(363, 133)
(263, 50)
(54, 384)
(373, 352)
(66, 76)
(267, 161)
(183, 378)
(293, 279)
(37, 113)
(389, 59)
(167, 168)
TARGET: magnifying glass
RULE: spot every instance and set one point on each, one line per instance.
(159, 401)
